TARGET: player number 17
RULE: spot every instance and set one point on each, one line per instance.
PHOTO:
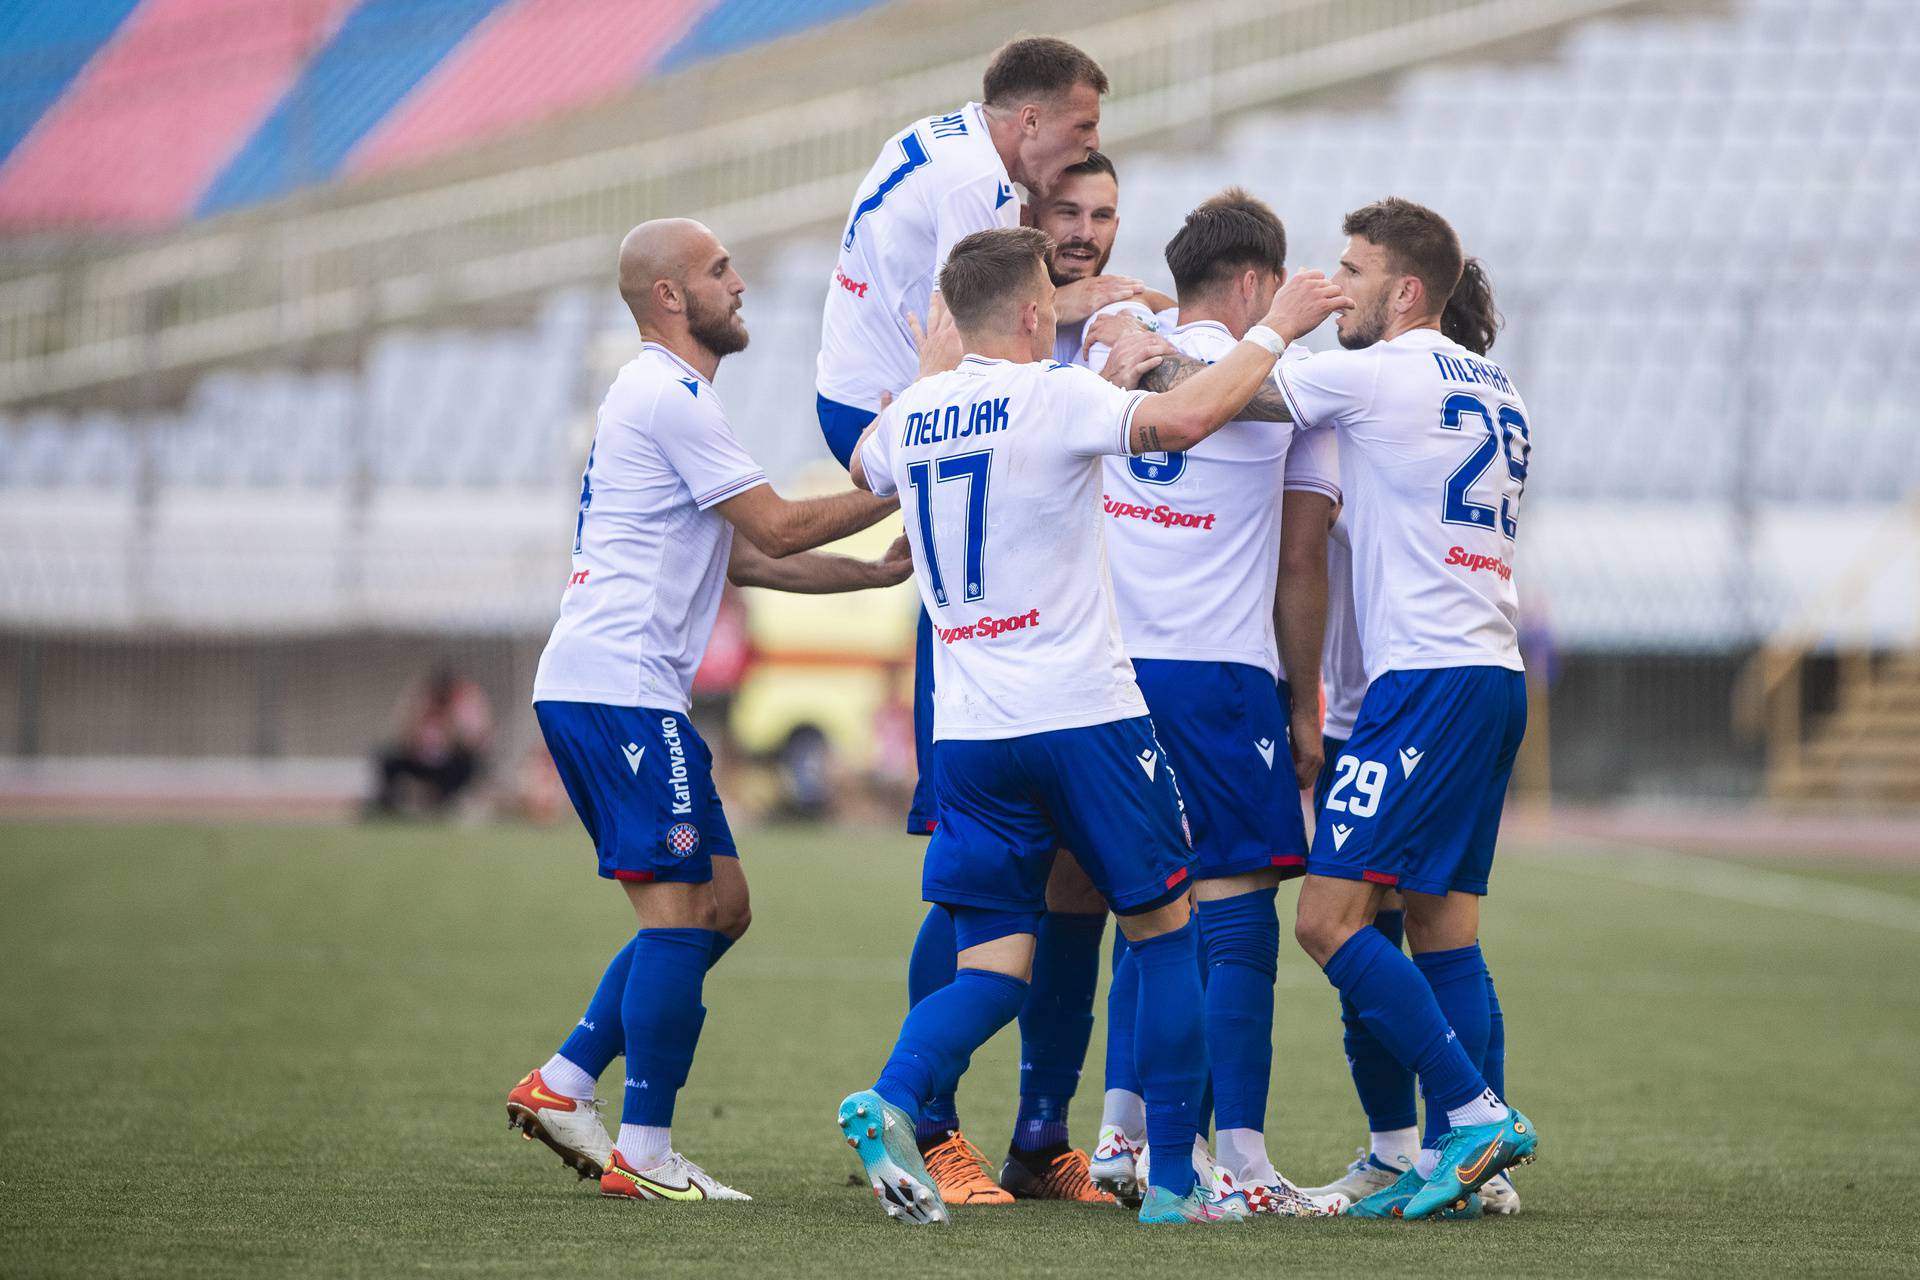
(973, 468)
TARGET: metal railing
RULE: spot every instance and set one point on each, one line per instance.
(243, 285)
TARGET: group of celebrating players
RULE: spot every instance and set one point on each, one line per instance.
(1147, 533)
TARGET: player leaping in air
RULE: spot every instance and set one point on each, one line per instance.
(935, 181)
(666, 487)
(1042, 738)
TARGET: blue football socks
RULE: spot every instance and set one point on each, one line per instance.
(662, 1013)
(1123, 1009)
(1240, 941)
(1394, 1000)
(941, 1032)
(1458, 978)
(1170, 1048)
(1056, 1025)
(1495, 1069)
(930, 967)
(599, 1037)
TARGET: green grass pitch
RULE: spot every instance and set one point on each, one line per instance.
(246, 1051)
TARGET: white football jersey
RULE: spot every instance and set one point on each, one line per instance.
(1433, 457)
(1343, 667)
(1195, 536)
(936, 182)
(649, 555)
(998, 470)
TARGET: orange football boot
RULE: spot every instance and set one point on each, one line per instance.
(960, 1170)
(1066, 1177)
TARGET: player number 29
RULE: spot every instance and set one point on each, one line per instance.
(1366, 777)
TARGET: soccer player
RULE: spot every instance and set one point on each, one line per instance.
(1434, 456)
(1199, 541)
(1081, 215)
(935, 181)
(1042, 740)
(666, 487)
(1385, 1088)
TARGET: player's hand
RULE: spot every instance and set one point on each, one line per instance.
(1109, 329)
(1309, 753)
(1302, 303)
(1073, 303)
(938, 342)
(1133, 355)
(895, 566)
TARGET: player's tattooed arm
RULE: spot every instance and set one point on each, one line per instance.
(817, 572)
(1268, 403)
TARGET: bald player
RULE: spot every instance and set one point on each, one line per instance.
(666, 487)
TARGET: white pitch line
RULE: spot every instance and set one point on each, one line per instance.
(1665, 869)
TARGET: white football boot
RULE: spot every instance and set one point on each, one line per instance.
(1364, 1176)
(1498, 1196)
(570, 1127)
(1116, 1166)
(675, 1178)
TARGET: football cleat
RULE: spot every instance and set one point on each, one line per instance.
(1364, 1176)
(1066, 1177)
(570, 1127)
(960, 1172)
(1468, 1157)
(675, 1178)
(1280, 1198)
(881, 1134)
(1198, 1207)
(1498, 1196)
(1115, 1167)
(1389, 1200)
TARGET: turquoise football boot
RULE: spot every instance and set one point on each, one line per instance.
(1196, 1207)
(1470, 1156)
(881, 1134)
(1389, 1201)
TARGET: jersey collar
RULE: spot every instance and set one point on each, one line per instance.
(977, 114)
(654, 346)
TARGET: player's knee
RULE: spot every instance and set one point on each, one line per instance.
(1316, 933)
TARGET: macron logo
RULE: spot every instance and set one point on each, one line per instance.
(633, 751)
(1409, 761)
(692, 386)
(1265, 748)
(1146, 759)
(1005, 194)
(1340, 833)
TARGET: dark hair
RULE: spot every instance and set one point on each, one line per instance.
(1038, 67)
(988, 267)
(1418, 241)
(1223, 237)
(1471, 319)
(1096, 162)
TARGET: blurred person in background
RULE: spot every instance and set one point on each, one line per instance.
(444, 743)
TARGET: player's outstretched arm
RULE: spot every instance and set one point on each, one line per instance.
(781, 526)
(1196, 408)
(817, 572)
(1300, 619)
(1269, 403)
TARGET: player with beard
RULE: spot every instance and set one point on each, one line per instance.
(665, 488)
(1385, 1088)
(1081, 213)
